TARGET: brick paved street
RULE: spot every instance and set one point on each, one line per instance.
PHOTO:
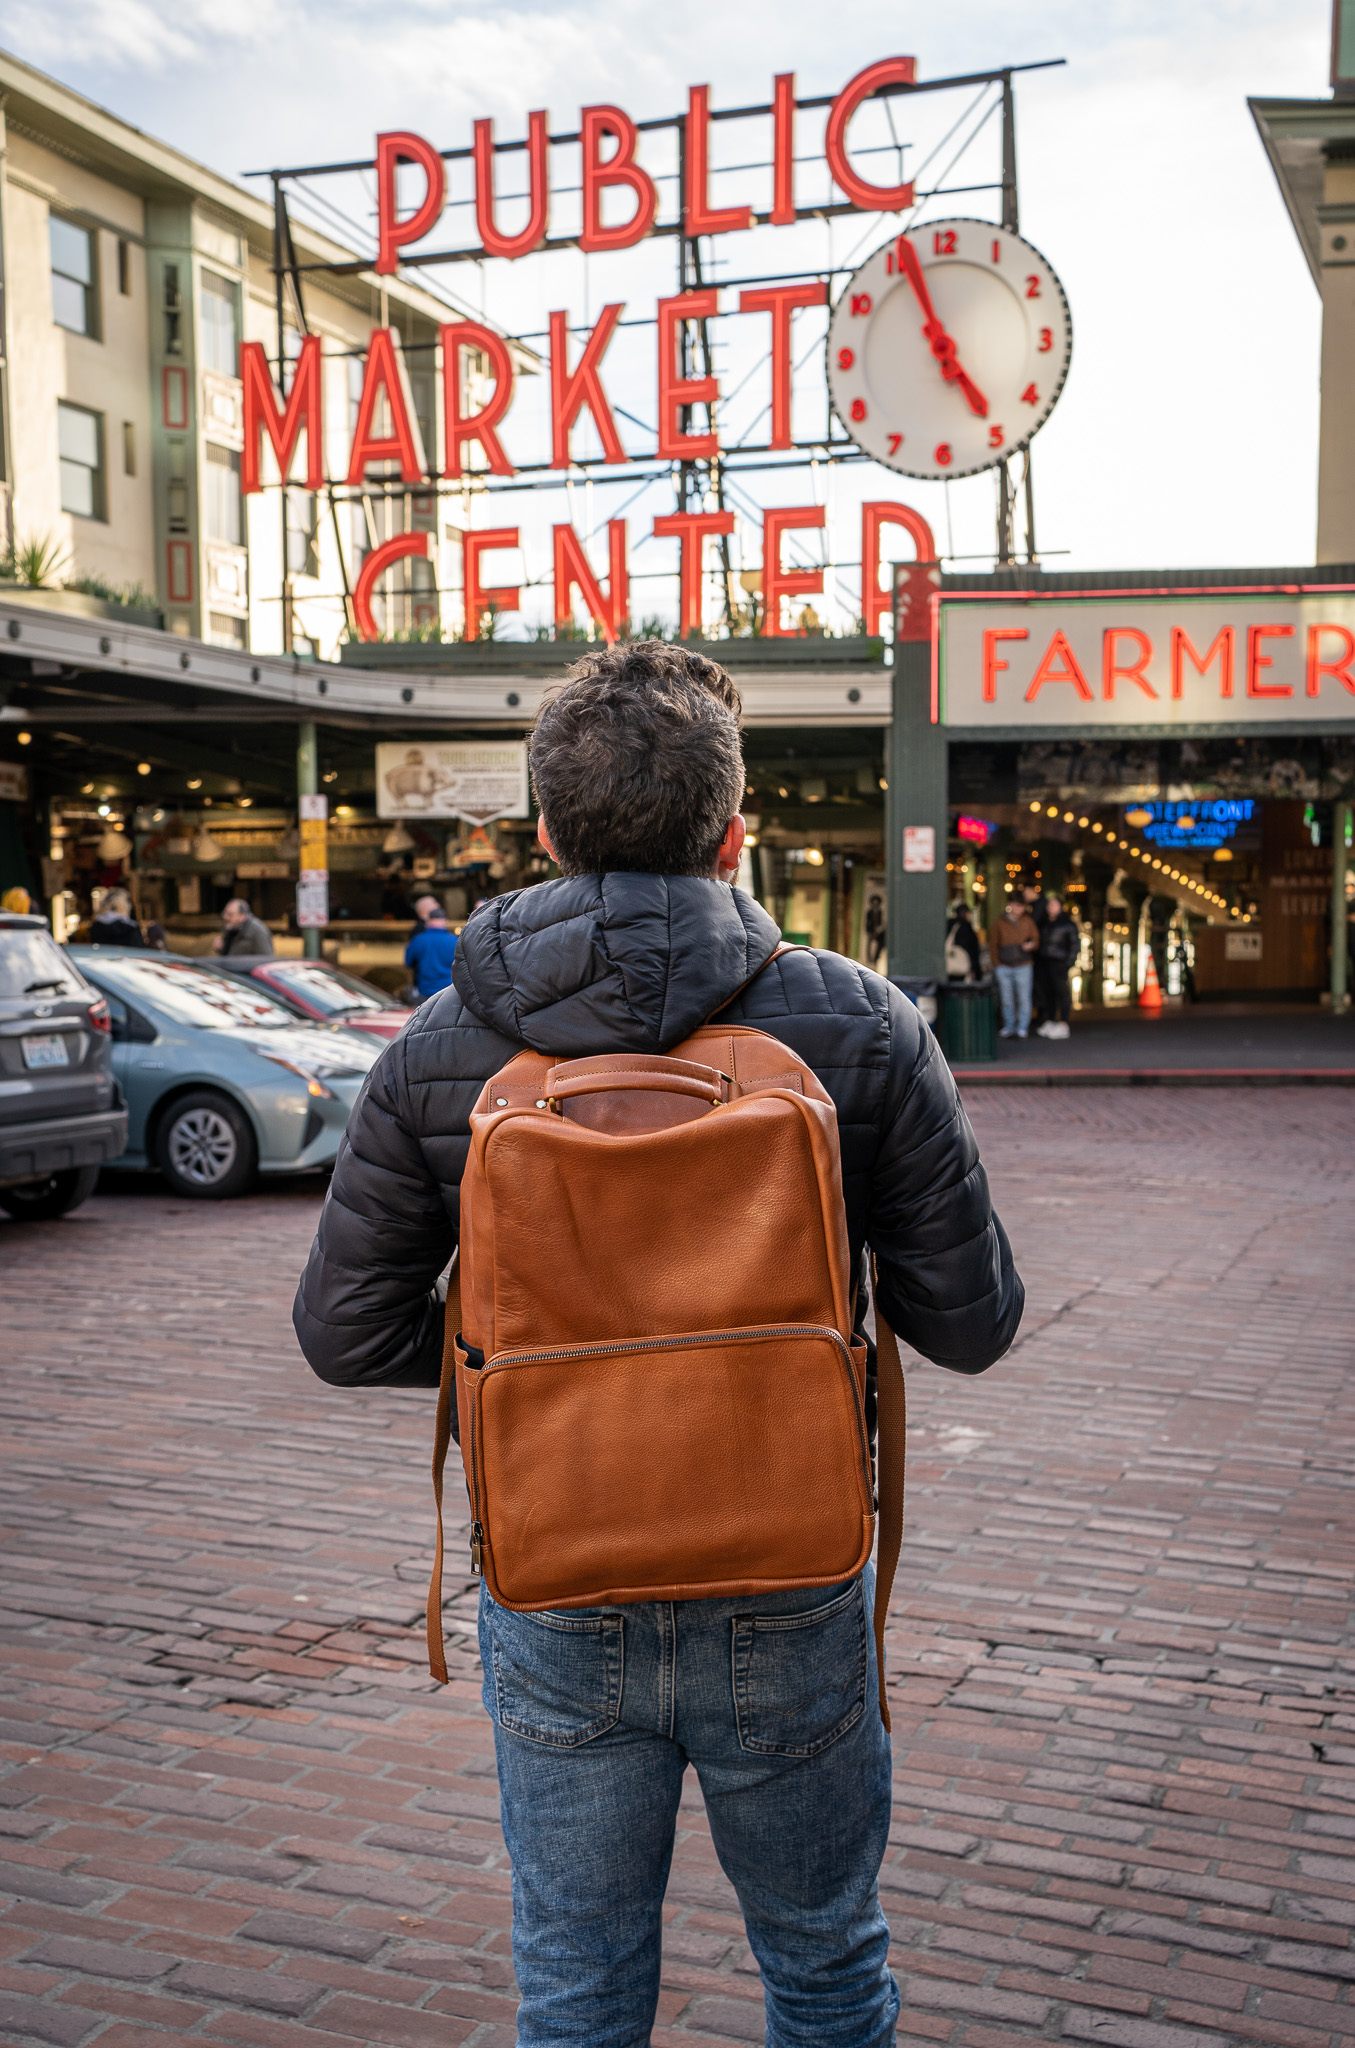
(237, 1812)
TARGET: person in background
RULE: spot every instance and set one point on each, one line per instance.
(241, 931)
(1013, 943)
(426, 905)
(115, 925)
(1060, 944)
(157, 938)
(962, 946)
(431, 951)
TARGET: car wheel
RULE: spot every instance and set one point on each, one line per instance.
(38, 1201)
(205, 1147)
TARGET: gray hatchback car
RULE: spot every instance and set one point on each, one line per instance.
(61, 1114)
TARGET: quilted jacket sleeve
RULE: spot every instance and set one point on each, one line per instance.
(946, 1278)
(367, 1311)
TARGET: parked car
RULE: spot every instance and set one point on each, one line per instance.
(61, 1116)
(222, 1082)
(326, 994)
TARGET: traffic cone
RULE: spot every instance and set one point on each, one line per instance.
(1150, 995)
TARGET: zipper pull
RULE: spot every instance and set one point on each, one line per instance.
(476, 1538)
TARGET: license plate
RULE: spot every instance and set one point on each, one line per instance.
(48, 1051)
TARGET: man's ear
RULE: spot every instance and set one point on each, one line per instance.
(731, 847)
(544, 836)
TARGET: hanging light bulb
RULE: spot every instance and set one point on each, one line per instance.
(114, 845)
(397, 840)
(205, 848)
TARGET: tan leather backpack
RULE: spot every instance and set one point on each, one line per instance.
(650, 1335)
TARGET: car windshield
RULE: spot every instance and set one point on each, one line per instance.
(195, 995)
(328, 988)
(32, 964)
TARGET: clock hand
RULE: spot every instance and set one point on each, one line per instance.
(942, 346)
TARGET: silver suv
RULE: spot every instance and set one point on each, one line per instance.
(61, 1114)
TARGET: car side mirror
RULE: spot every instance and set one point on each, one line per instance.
(129, 1026)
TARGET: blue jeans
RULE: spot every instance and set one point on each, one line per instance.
(1014, 987)
(597, 1713)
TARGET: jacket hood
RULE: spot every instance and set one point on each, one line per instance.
(610, 963)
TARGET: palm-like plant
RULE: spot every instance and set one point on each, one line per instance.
(36, 560)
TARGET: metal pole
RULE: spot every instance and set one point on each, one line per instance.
(1011, 219)
(308, 784)
(279, 272)
(1340, 962)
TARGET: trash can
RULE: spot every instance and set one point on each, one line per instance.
(968, 1025)
(919, 989)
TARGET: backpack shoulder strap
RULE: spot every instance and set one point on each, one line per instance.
(782, 946)
(891, 1419)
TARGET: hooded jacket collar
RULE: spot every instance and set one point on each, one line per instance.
(610, 963)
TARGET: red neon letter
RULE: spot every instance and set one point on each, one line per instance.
(538, 185)
(691, 529)
(875, 513)
(776, 581)
(375, 566)
(993, 664)
(1182, 651)
(572, 567)
(569, 395)
(783, 150)
(1256, 661)
(474, 426)
(1111, 667)
(675, 390)
(1058, 650)
(701, 217)
(404, 444)
(392, 233)
(1340, 668)
(504, 597)
(780, 301)
(620, 169)
(305, 408)
(874, 198)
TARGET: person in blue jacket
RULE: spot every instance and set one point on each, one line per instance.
(429, 955)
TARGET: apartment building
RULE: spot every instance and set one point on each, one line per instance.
(129, 275)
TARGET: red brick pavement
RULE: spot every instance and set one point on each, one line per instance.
(1123, 1680)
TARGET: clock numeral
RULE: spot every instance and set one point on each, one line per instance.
(943, 455)
(943, 242)
(860, 304)
(845, 358)
(997, 252)
(1046, 340)
(858, 408)
(995, 437)
(895, 443)
(1032, 286)
(889, 262)
(1030, 396)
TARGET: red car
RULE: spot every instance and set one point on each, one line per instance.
(325, 994)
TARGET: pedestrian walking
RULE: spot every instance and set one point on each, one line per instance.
(771, 1692)
(241, 931)
(431, 951)
(962, 946)
(1013, 943)
(1060, 944)
(115, 924)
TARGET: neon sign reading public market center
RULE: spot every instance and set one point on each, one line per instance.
(386, 427)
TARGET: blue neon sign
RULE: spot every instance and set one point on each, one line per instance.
(1203, 822)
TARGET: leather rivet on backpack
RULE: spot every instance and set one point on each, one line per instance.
(500, 1102)
(542, 1103)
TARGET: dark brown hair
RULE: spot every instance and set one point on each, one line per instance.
(636, 761)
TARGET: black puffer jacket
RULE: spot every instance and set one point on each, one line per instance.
(632, 963)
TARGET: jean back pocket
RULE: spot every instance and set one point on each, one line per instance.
(557, 1677)
(800, 1679)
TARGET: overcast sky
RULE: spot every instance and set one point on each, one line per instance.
(1186, 435)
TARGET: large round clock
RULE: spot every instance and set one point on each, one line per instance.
(948, 348)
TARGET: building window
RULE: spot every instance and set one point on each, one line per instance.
(220, 336)
(75, 291)
(222, 479)
(128, 448)
(80, 445)
(224, 631)
(173, 312)
(303, 552)
(124, 267)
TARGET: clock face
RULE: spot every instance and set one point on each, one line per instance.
(948, 349)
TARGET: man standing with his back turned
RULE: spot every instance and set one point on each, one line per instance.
(638, 774)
